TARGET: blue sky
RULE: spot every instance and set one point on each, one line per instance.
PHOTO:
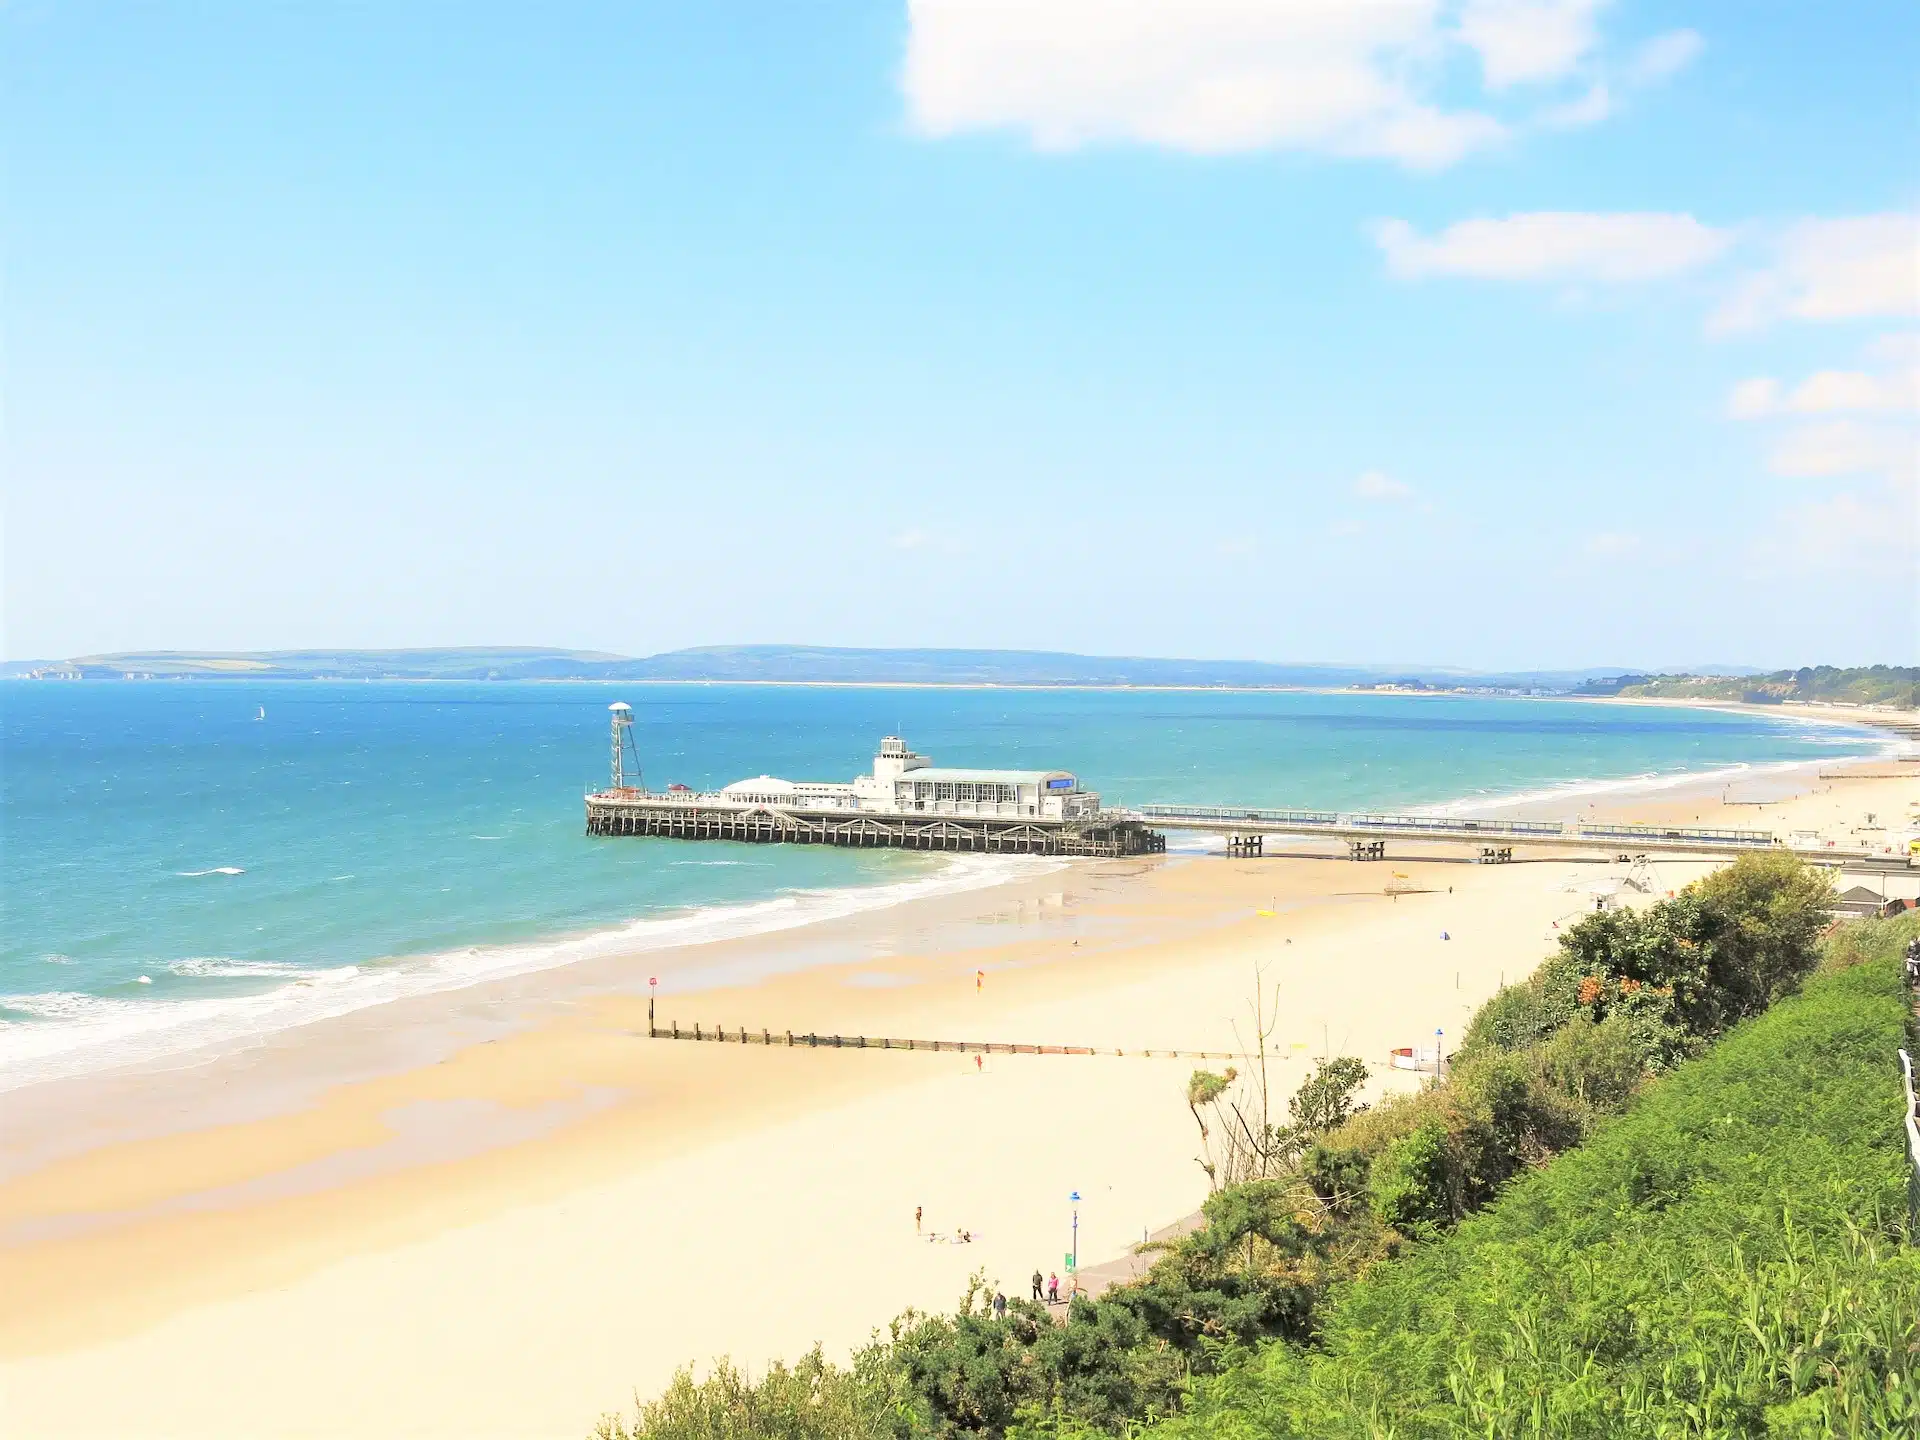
(1487, 332)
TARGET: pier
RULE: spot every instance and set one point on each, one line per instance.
(637, 812)
(1367, 834)
(907, 802)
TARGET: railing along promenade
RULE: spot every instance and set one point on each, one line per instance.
(1583, 834)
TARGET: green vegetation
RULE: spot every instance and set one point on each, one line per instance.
(1894, 685)
(1725, 1260)
(1722, 1259)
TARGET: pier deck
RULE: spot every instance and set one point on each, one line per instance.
(639, 812)
(1371, 831)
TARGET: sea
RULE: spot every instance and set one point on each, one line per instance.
(193, 862)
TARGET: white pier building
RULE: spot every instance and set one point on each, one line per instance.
(906, 801)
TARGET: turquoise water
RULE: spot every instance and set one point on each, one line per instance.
(177, 868)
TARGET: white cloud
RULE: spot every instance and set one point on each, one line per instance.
(1555, 245)
(1208, 76)
(1753, 398)
(1612, 543)
(1528, 41)
(1590, 109)
(1374, 485)
(1847, 269)
(1345, 529)
(1822, 393)
(1842, 447)
(910, 540)
(1664, 56)
(1239, 546)
(1827, 392)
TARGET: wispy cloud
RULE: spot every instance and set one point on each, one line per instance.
(1826, 392)
(1665, 56)
(1529, 41)
(1555, 246)
(1590, 109)
(910, 540)
(1854, 268)
(1865, 536)
(1612, 543)
(1842, 447)
(1375, 485)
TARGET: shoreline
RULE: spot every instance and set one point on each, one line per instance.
(498, 1211)
(323, 994)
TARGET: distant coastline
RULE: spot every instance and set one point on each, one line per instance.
(1855, 688)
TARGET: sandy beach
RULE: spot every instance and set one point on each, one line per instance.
(503, 1212)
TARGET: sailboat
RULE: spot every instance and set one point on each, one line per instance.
(263, 713)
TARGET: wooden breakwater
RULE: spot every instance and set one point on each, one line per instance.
(741, 1035)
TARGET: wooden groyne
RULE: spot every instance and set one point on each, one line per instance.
(741, 1035)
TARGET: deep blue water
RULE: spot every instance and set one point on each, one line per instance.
(165, 847)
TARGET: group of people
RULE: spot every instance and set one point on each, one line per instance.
(1047, 1291)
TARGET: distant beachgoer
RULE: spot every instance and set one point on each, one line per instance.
(1053, 1289)
(1038, 1282)
(917, 1212)
(979, 1065)
(999, 1306)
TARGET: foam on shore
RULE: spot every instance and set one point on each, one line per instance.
(65, 1033)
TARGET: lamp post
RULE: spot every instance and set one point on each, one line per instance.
(1438, 1051)
(1073, 1260)
(653, 983)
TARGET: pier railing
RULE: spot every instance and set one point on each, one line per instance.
(1360, 825)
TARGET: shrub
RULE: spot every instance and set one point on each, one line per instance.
(812, 1401)
(1413, 1181)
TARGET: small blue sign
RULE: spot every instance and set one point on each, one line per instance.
(1066, 784)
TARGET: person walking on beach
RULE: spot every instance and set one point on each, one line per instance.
(999, 1306)
(1037, 1283)
(1053, 1289)
(916, 1219)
